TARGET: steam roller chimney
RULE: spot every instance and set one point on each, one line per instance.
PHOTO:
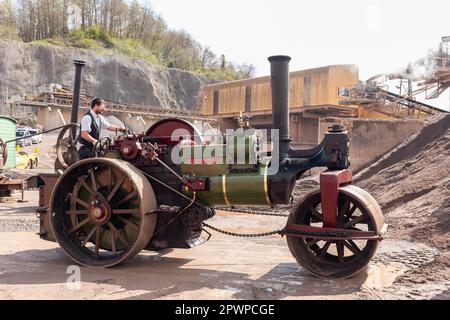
(76, 92)
(279, 78)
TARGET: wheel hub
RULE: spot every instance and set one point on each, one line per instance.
(99, 209)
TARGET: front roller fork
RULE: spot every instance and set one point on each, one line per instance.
(335, 231)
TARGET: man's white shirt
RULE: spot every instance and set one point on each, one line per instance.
(86, 121)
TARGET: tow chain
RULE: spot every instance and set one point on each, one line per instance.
(247, 235)
(233, 234)
(252, 212)
(243, 235)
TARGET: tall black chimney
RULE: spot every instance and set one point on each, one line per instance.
(279, 71)
(76, 90)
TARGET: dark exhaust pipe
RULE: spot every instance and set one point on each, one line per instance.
(279, 71)
(76, 91)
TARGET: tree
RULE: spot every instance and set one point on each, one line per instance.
(223, 62)
(85, 23)
(7, 20)
(208, 58)
(246, 70)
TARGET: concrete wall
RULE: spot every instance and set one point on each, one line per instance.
(308, 133)
(370, 139)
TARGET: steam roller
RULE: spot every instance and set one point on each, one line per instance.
(135, 194)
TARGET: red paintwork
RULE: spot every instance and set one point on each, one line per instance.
(165, 128)
(296, 230)
(132, 147)
(329, 192)
(195, 184)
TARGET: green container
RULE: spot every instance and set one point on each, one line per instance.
(8, 132)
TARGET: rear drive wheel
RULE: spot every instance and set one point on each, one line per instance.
(102, 212)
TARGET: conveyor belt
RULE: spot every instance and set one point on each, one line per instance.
(393, 97)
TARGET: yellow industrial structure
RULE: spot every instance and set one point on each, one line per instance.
(314, 94)
(318, 98)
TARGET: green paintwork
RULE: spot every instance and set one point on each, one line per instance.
(241, 189)
(242, 147)
(8, 132)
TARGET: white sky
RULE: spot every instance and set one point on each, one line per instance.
(379, 36)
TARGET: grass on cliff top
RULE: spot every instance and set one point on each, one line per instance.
(105, 44)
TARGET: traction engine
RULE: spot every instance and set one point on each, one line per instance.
(133, 195)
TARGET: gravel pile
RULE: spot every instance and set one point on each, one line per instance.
(412, 185)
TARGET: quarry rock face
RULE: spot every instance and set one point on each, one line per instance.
(24, 67)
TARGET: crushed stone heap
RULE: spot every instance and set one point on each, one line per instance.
(412, 185)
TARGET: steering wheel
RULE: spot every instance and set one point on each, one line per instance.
(101, 146)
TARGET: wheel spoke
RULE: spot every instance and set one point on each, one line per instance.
(312, 242)
(113, 243)
(353, 222)
(352, 246)
(116, 187)
(94, 183)
(340, 251)
(76, 212)
(85, 185)
(89, 236)
(324, 249)
(316, 213)
(128, 197)
(109, 178)
(343, 211)
(125, 242)
(97, 239)
(79, 225)
(126, 211)
(78, 200)
(129, 222)
(352, 211)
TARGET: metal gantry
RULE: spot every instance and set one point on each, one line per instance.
(47, 96)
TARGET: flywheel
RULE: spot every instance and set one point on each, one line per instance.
(66, 146)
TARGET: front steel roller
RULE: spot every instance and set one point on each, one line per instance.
(102, 212)
(357, 210)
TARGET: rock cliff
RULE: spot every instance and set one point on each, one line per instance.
(24, 67)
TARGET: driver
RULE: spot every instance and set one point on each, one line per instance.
(91, 126)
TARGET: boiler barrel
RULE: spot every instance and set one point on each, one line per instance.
(237, 189)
